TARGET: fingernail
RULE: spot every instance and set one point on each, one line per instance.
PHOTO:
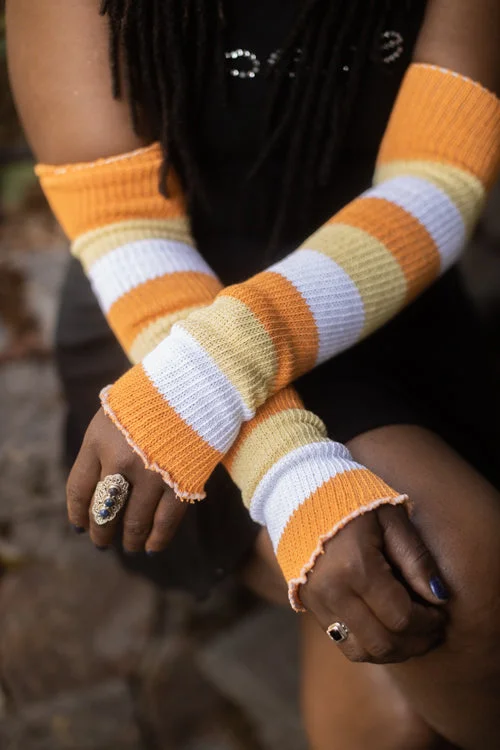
(151, 552)
(78, 529)
(101, 549)
(439, 589)
(131, 552)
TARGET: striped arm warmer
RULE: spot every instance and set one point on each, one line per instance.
(184, 404)
(138, 252)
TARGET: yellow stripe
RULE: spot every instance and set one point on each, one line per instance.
(270, 441)
(156, 332)
(375, 271)
(465, 190)
(251, 368)
(92, 246)
(284, 313)
(143, 304)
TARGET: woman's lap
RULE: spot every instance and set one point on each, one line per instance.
(456, 688)
(428, 368)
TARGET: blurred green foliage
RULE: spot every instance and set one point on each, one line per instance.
(10, 131)
(16, 169)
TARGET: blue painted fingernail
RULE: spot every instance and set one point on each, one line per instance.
(101, 549)
(151, 552)
(78, 529)
(439, 589)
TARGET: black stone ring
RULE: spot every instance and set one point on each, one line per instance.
(338, 632)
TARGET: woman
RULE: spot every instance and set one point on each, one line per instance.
(255, 186)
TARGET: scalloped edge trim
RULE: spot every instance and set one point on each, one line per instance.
(450, 72)
(182, 495)
(54, 170)
(295, 583)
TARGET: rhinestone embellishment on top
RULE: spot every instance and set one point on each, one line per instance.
(393, 46)
(250, 58)
(245, 64)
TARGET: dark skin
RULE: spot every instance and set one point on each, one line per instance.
(69, 116)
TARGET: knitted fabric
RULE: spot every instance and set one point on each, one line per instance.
(138, 252)
(183, 406)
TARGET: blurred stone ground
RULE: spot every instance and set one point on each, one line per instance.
(92, 658)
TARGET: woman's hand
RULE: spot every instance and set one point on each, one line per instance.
(368, 578)
(152, 512)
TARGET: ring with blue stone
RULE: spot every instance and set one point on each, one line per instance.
(110, 496)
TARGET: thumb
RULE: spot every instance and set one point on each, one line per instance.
(406, 550)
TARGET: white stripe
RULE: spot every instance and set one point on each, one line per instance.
(331, 295)
(432, 207)
(293, 479)
(188, 378)
(132, 264)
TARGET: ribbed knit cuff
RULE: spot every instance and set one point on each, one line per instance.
(300, 485)
(177, 413)
(307, 498)
(443, 116)
(90, 195)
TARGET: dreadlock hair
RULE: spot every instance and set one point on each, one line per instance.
(162, 51)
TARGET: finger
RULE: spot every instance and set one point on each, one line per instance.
(370, 641)
(138, 518)
(406, 550)
(391, 603)
(102, 534)
(81, 484)
(169, 514)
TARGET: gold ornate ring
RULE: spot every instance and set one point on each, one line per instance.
(110, 496)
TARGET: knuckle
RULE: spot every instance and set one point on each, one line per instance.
(354, 572)
(420, 555)
(162, 526)
(358, 657)
(136, 529)
(74, 496)
(329, 593)
(383, 651)
(125, 461)
(402, 621)
(350, 567)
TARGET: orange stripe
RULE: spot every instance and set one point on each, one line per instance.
(404, 236)
(333, 502)
(445, 117)
(174, 447)
(286, 399)
(87, 197)
(162, 296)
(271, 297)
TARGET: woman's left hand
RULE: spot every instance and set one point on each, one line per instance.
(152, 512)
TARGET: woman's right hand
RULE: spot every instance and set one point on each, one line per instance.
(379, 579)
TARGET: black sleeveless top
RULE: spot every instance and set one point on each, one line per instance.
(234, 232)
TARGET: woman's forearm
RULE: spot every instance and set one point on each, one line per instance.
(440, 156)
(137, 250)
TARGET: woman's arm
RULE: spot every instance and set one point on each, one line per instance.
(464, 36)
(140, 257)
(60, 75)
(439, 157)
